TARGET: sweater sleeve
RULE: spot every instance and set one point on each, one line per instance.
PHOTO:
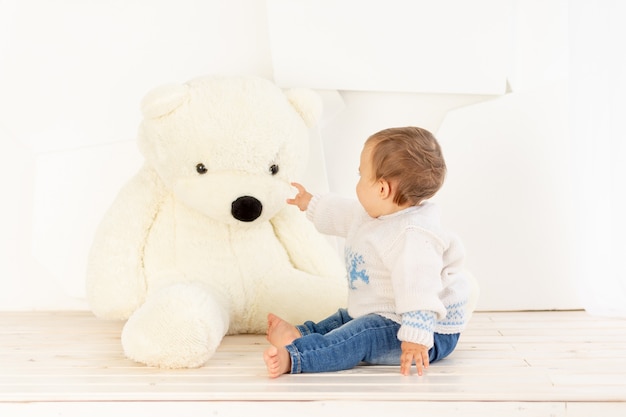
(415, 261)
(332, 214)
(418, 327)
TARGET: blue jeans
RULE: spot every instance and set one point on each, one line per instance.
(340, 342)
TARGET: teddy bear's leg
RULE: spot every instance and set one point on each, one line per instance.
(297, 296)
(179, 326)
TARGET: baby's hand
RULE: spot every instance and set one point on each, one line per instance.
(301, 199)
(413, 352)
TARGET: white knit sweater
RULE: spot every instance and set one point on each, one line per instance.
(402, 266)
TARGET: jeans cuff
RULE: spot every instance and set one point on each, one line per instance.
(303, 329)
(296, 364)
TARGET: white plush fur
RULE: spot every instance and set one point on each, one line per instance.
(170, 257)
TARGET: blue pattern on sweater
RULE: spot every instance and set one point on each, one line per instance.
(356, 272)
(455, 314)
(421, 320)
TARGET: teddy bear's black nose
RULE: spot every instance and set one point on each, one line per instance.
(246, 208)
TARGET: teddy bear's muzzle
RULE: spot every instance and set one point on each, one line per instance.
(246, 208)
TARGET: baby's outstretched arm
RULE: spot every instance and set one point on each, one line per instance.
(302, 199)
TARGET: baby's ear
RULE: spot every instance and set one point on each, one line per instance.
(384, 189)
(163, 100)
(307, 103)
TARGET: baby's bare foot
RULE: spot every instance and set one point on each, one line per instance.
(277, 361)
(280, 332)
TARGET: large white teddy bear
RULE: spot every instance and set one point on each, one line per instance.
(201, 243)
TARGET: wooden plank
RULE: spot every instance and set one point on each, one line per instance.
(290, 409)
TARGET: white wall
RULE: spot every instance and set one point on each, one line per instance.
(72, 75)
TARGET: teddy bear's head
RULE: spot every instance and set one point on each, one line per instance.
(228, 147)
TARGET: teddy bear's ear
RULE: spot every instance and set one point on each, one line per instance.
(307, 103)
(164, 100)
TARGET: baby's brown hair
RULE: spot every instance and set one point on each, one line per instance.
(411, 158)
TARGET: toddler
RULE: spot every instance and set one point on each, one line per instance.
(407, 288)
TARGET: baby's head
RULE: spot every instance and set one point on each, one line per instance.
(411, 158)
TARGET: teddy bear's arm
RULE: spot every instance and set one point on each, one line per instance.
(309, 250)
(115, 280)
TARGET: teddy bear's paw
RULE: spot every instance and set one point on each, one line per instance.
(178, 329)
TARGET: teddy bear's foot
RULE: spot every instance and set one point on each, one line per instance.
(178, 327)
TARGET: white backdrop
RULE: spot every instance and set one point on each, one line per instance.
(72, 74)
(598, 65)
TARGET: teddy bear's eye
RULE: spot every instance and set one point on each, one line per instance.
(201, 168)
(274, 169)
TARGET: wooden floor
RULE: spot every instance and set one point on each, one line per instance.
(507, 364)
